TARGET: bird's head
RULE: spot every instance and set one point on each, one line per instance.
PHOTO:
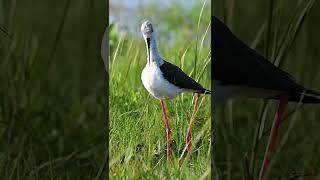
(147, 30)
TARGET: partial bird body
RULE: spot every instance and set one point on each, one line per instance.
(237, 66)
(240, 71)
(104, 50)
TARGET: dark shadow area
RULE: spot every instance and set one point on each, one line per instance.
(53, 90)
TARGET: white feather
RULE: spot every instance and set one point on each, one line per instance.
(153, 80)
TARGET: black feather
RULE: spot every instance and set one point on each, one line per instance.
(176, 76)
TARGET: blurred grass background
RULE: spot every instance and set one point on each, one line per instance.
(137, 143)
(286, 32)
(52, 90)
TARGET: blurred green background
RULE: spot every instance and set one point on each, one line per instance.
(52, 90)
(292, 42)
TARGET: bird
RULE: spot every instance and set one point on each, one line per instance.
(104, 50)
(239, 71)
(164, 80)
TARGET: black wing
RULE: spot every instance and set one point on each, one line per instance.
(176, 76)
(235, 63)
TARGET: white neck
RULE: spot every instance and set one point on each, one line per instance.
(154, 54)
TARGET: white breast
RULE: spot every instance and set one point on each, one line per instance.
(157, 85)
(221, 93)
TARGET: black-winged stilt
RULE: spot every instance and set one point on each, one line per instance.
(164, 80)
(238, 70)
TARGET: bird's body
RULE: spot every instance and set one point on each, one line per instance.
(155, 83)
(166, 81)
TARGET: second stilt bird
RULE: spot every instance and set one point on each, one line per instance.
(240, 71)
(164, 80)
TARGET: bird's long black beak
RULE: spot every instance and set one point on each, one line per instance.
(148, 44)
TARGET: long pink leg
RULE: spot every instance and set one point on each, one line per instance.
(167, 128)
(191, 122)
(273, 136)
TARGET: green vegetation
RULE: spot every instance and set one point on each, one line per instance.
(137, 138)
(286, 32)
(52, 90)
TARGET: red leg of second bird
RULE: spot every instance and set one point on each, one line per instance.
(191, 122)
(167, 129)
(273, 136)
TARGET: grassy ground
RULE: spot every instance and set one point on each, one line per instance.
(52, 90)
(239, 148)
(137, 143)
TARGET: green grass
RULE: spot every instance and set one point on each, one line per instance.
(52, 90)
(285, 33)
(137, 138)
